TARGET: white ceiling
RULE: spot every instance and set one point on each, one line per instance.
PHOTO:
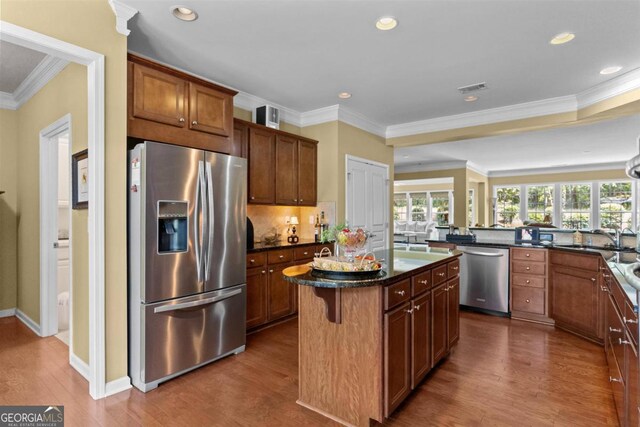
(16, 63)
(301, 53)
(591, 144)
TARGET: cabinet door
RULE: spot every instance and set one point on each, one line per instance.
(397, 352)
(210, 111)
(307, 173)
(439, 304)
(158, 96)
(256, 297)
(420, 338)
(262, 150)
(281, 294)
(631, 357)
(453, 312)
(286, 165)
(575, 300)
(239, 144)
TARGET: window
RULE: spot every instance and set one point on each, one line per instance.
(508, 205)
(576, 206)
(419, 206)
(540, 203)
(616, 205)
(440, 207)
(400, 206)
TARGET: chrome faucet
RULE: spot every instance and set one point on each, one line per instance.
(615, 241)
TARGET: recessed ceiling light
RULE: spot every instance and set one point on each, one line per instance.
(470, 98)
(386, 23)
(562, 38)
(344, 95)
(405, 157)
(184, 13)
(610, 70)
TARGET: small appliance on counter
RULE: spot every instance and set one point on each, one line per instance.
(529, 235)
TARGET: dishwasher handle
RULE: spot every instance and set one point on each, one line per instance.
(487, 254)
(197, 303)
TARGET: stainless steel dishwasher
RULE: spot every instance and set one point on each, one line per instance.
(484, 278)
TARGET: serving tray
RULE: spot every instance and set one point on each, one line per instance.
(347, 275)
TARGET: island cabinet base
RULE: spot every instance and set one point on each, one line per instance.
(340, 365)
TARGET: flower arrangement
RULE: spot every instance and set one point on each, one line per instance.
(347, 239)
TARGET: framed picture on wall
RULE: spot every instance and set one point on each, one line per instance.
(80, 180)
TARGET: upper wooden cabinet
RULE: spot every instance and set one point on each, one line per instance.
(166, 105)
(282, 167)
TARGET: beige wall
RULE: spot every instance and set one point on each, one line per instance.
(91, 24)
(8, 209)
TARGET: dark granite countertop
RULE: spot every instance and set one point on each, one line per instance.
(398, 264)
(283, 244)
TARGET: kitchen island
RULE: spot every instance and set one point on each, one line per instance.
(364, 345)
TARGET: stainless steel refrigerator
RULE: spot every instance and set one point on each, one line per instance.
(187, 255)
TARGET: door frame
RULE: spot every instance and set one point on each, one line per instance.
(49, 147)
(348, 157)
(95, 137)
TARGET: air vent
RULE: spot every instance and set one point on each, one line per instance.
(472, 88)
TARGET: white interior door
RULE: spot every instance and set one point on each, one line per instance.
(367, 201)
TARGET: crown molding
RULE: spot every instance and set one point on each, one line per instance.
(613, 87)
(123, 14)
(358, 120)
(558, 169)
(46, 70)
(321, 115)
(507, 113)
(477, 169)
(428, 167)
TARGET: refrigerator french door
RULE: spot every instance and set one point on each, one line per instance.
(187, 252)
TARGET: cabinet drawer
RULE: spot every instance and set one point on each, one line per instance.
(279, 256)
(577, 260)
(257, 259)
(305, 253)
(530, 300)
(453, 269)
(529, 254)
(527, 267)
(439, 274)
(420, 283)
(528, 281)
(397, 293)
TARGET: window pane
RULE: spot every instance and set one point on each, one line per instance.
(540, 203)
(418, 206)
(440, 207)
(576, 205)
(615, 205)
(400, 206)
(508, 205)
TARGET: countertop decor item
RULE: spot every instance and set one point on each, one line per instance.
(271, 238)
(348, 241)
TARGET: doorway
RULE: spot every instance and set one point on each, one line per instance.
(367, 204)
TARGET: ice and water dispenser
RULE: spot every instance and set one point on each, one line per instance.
(173, 220)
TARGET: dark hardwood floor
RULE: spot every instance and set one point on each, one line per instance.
(502, 373)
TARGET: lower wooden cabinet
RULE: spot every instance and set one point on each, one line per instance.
(420, 338)
(282, 295)
(256, 297)
(439, 342)
(397, 345)
(453, 312)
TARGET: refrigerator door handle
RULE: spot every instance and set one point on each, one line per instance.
(210, 223)
(196, 222)
(191, 304)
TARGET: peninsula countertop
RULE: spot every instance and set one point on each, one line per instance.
(398, 264)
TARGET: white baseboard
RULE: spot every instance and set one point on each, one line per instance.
(28, 321)
(8, 312)
(116, 386)
(79, 365)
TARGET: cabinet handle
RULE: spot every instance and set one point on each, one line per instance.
(527, 301)
(614, 329)
(305, 253)
(417, 307)
(604, 289)
(606, 276)
(629, 320)
(401, 293)
(301, 200)
(253, 198)
(263, 272)
(280, 256)
(424, 282)
(615, 380)
(593, 279)
(409, 311)
(528, 281)
(295, 200)
(270, 271)
(181, 119)
(446, 289)
(528, 255)
(252, 261)
(528, 268)
(194, 123)
(623, 342)
(441, 274)
(454, 268)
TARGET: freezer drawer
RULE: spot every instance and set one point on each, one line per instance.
(187, 332)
